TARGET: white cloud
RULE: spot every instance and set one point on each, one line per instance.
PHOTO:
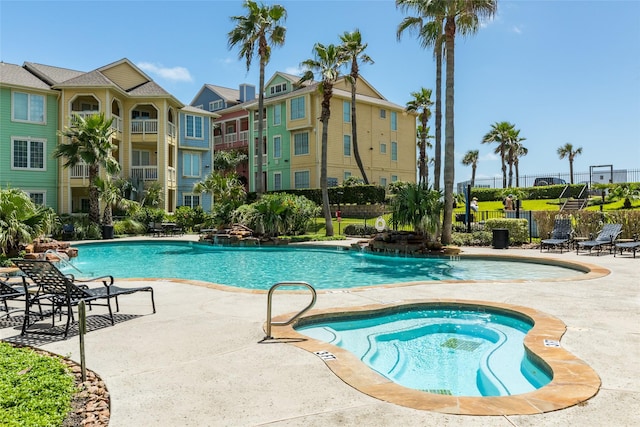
(177, 74)
(296, 71)
(516, 29)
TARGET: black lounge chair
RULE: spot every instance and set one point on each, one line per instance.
(63, 292)
(606, 237)
(627, 246)
(560, 236)
(8, 292)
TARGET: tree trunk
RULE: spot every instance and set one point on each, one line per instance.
(449, 148)
(504, 167)
(354, 132)
(438, 136)
(473, 175)
(259, 183)
(324, 119)
(94, 197)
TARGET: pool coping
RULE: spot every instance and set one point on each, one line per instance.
(573, 380)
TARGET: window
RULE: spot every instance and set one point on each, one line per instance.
(191, 164)
(191, 200)
(28, 153)
(346, 111)
(216, 105)
(332, 182)
(383, 148)
(394, 150)
(84, 205)
(383, 113)
(279, 88)
(301, 144)
(277, 181)
(277, 114)
(347, 175)
(297, 108)
(394, 120)
(383, 181)
(140, 158)
(346, 142)
(301, 179)
(37, 197)
(394, 178)
(28, 107)
(277, 147)
(194, 126)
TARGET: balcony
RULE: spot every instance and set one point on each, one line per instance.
(230, 138)
(145, 173)
(81, 170)
(171, 130)
(244, 135)
(217, 139)
(144, 127)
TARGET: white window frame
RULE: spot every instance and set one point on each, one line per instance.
(277, 114)
(187, 170)
(295, 152)
(383, 181)
(346, 111)
(394, 120)
(346, 176)
(29, 119)
(35, 192)
(277, 153)
(277, 176)
(394, 178)
(279, 88)
(346, 145)
(299, 110)
(383, 148)
(195, 119)
(141, 158)
(295, 178)
(394, 151)
(191, 196)
(218, 104)
(29, 141)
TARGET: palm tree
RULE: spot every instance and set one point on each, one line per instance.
(519, 151)
(417, 206)
(513, 145)
(353, 49)
(500, 133)
(261, 27)
(471, 158)
(429, 26)
(568, 151)
(421, 104)
(424, 133)
(327, 62)
(227, 192)
(21, 221)
(89, 142)
(461, 16)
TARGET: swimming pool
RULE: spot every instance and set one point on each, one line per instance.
(572, 381)
(261, 267)
(441, 350)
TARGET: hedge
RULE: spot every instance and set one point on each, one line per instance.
(355, 194)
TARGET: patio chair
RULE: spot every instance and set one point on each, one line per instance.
(8, 292)
(63, 292)
(606, 237)
(627, 246)
(560, 236)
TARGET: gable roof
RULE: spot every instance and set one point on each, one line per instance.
(15, 75)
(51, 75)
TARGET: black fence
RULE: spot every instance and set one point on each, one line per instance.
(477, 220)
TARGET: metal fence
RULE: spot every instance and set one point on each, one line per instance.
(478, 219)
(600, 175)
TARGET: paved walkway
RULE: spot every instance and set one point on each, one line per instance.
(198, 360)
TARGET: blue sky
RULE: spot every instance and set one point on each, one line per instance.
(561, 71)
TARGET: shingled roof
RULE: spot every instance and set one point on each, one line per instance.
(15, 75)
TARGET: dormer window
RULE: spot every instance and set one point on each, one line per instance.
(279, 88)
(216, 105)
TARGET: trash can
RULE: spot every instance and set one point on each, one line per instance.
(500, 238)
(107, 232)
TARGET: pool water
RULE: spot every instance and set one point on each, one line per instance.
(448, 351)
(262, 267)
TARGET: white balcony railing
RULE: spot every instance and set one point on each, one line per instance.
(144, 126)
(244, 135)
(117, 123)
(171, 129)
(264, 160)
(231, 138)
(145, 173)
(81, 170)
(217, 139)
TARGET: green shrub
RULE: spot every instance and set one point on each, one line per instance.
(147, 215)
(277, 214)
(359, 230)
(518, 228)
(189, 218)
(129, 226)
(476, 238)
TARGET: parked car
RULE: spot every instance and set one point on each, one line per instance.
(548, 180)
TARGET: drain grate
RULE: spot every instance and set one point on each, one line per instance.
(458, 344)
(443, 391)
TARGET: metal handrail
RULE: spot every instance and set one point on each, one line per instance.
(288, 322)
(62, 257)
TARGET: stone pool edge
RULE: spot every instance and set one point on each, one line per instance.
(573, 380)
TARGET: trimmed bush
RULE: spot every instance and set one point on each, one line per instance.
(359, 230)
(518, 228)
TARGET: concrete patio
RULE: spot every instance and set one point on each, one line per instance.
(199, 362)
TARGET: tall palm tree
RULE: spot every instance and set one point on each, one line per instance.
(260, 27)
(471, 159)
(421, 104)
(520, 151)
(500, 134)
(513, 144)
(430, 28)
(423, 133)
(461, 16)
(353, 49)
(327, 62)
(569, 152)
(89, 141)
